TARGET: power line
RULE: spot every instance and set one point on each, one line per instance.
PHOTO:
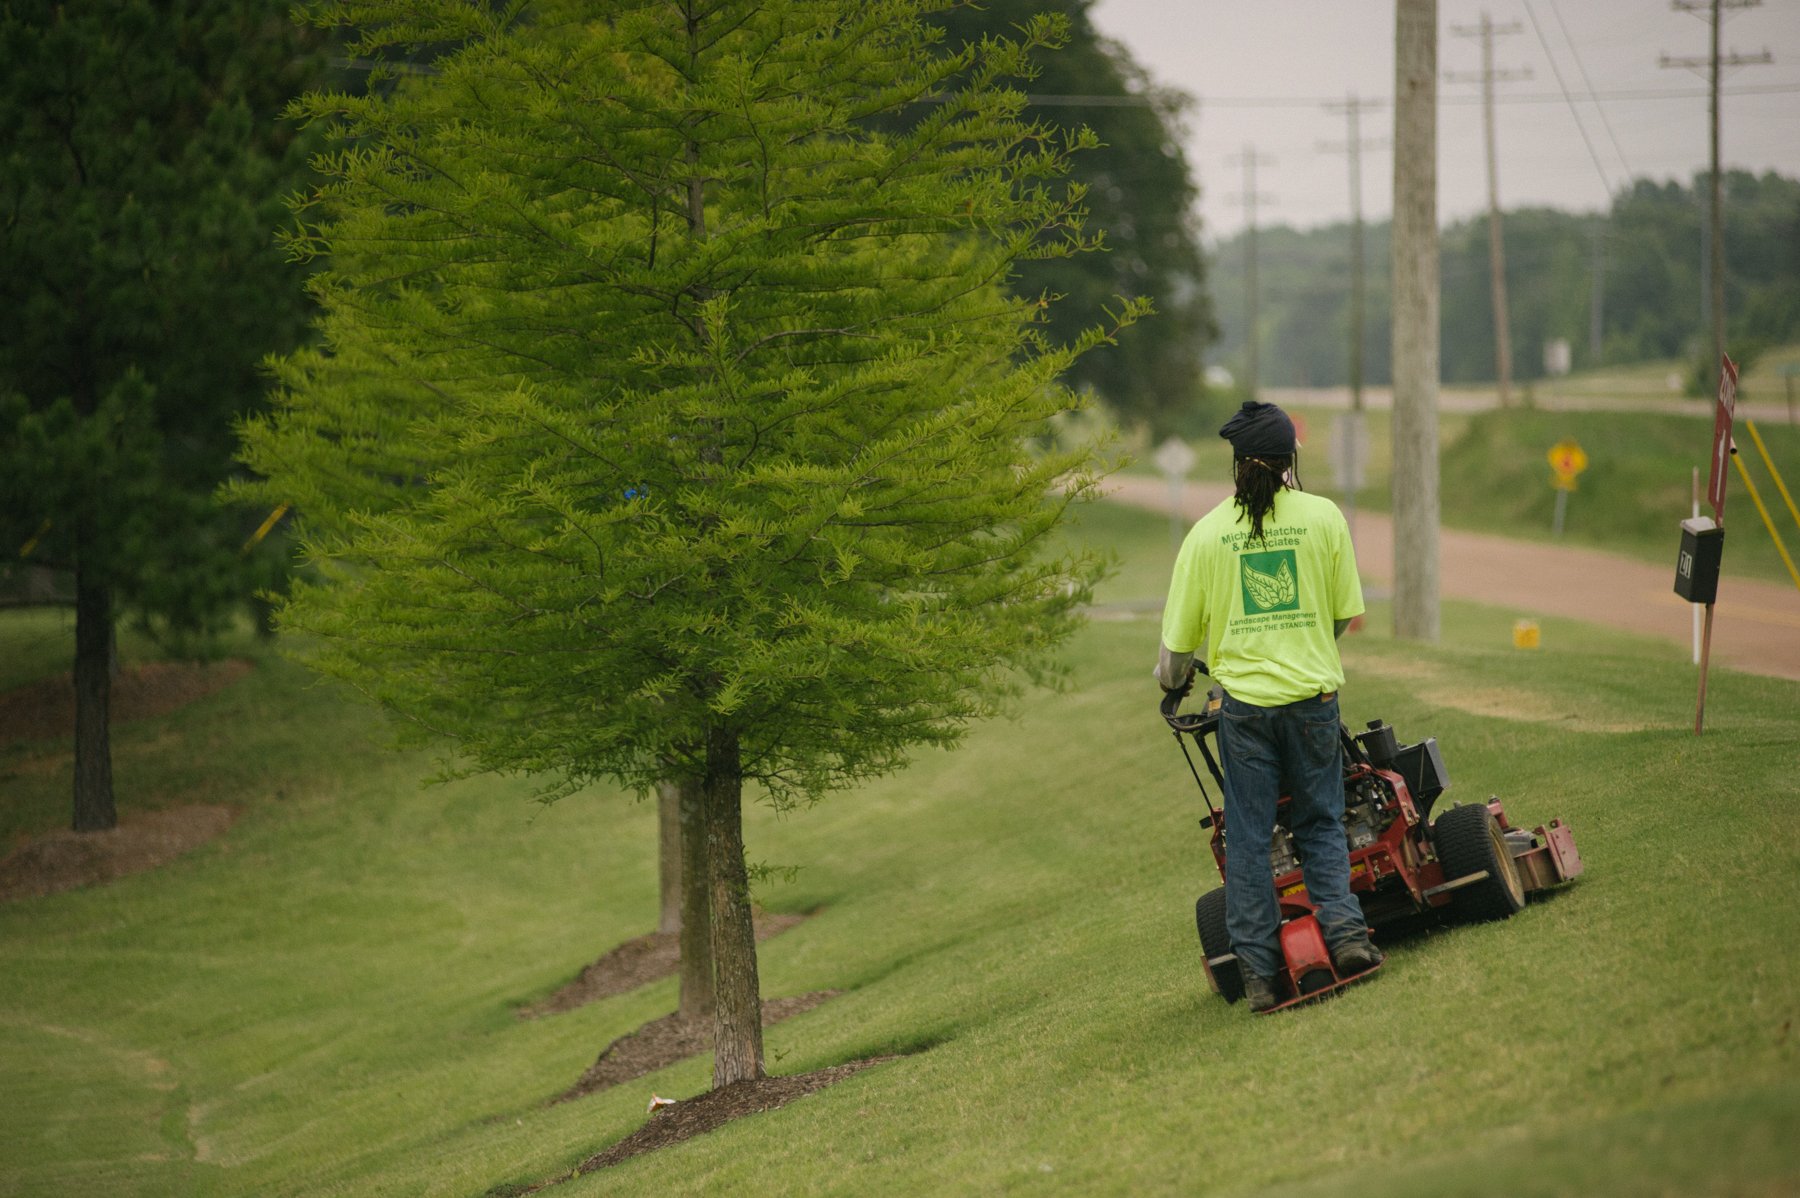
(1139, 100)
(1714, 12)
(1649, 93)
(1486, 32)
(1250, 160)
(1573, 111)
(1353, 107)
(1575, 53)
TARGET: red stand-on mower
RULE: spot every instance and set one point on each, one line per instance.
(1467, 865)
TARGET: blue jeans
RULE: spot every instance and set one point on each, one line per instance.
(1271, 751)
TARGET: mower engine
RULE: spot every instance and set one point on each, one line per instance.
(1367, 813)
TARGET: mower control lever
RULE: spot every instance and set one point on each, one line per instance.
(1194, 722)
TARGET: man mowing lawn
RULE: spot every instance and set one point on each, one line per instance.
(1269, 579)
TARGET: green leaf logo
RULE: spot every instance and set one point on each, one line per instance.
(1271, 582)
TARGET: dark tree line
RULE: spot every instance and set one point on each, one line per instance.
(1141, 195)
(142, 173)
(1647, 251)
(145, 165)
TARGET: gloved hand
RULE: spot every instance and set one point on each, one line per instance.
(1174, 671)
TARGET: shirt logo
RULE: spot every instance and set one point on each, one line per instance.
(1271, 581)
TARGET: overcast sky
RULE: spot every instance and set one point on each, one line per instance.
(1262, 70)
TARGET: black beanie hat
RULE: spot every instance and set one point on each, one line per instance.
(1259, 428)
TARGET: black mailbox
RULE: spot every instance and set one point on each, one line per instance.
(1697, 569)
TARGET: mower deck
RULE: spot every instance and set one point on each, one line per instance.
(1326, 991)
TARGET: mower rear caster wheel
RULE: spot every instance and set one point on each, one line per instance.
(1315, 980)
(1468, 841)
(1215, 941)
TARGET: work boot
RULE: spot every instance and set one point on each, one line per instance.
(1355, 956)
(1260, 991)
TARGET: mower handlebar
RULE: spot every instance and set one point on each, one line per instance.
(1171, 703)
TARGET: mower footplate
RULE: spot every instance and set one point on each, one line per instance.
(1323, 991)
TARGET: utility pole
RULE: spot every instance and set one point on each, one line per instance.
(1249, 198)
(1487, 31)
(1354, 143)
(1597, 297)
(1713, 11)
(1415, 333)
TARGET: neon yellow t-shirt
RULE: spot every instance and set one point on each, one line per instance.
(1266, 608)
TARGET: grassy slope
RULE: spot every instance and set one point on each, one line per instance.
(1495, 477)
(1636, 490)
(320, 1003)
(1665, 380)
(38, 642)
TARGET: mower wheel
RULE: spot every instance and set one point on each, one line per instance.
(1468, 840)
(1215, 941)
(1313, 981)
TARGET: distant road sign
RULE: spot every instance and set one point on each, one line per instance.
(1174, 458)
(1721, 446)
(1567, 459)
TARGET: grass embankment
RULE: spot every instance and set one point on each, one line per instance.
(1635, 492)
(1494, 476)
(321, 1003)
(37, 643)
(1667, 381)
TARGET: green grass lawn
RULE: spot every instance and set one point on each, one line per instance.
(38, 642)
(321, 1001)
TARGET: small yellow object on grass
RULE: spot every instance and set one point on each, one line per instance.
(1525, 634)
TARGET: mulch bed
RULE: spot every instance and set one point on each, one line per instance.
(634, 963)
(669, 1039)
(696, 1116)
(143, 840)
(45, 710)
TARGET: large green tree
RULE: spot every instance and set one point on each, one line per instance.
(143, 175)
(672, 413)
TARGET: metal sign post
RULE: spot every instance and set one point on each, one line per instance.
(1174, 457)
(1349, 450)
(1567, 459)
(1715, 495)
(1695, 514)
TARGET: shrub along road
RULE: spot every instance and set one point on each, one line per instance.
(1756, 625)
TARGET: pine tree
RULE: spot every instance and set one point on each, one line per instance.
(143, 176)
(672, 418)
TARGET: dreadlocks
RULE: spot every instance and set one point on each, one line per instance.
(1257, 480)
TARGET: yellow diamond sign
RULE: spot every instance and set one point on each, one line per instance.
(1567, 459)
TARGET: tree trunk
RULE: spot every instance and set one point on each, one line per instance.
(94, 810)
(668, 856)
(737, 1011)
(696, 904)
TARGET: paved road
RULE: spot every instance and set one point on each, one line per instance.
(1756, 625)
(1764, 409)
